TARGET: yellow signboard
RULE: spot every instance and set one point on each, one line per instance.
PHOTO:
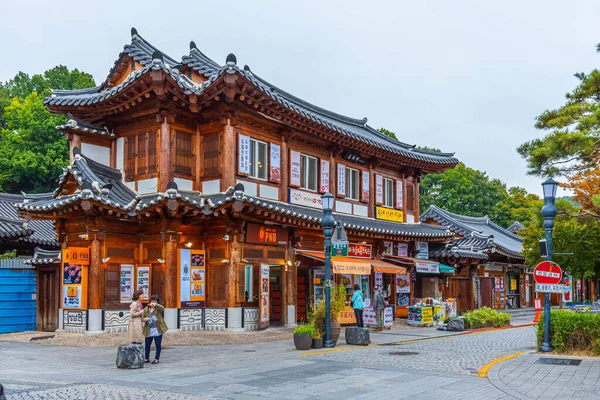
(347, 316)
(513, 285)
(427, 315)
(389, 214)
(77, 255)
(347, 267)
(74, 273)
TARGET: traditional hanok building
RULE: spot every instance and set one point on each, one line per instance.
(490, 267)
(202, 183)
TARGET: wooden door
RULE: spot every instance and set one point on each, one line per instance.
(49, 295)
(275, 295)
(217, 285)
(461, 290)
(487, 291)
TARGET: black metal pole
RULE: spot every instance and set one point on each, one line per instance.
(327, 231)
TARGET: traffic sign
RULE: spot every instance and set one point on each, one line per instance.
(548, 272)
(545, 288)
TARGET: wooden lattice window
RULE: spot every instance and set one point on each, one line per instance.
(410, 198)
(111, 283)
(152, 159)
(254, 253)
(140, 154)
(212, 151)
(216, 254)
(184, 155)
(130, 153)
(276, 254)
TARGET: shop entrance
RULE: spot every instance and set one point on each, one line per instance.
(461, 290)
(275, 294)
(49, 293)
(487, 291)
(513, 298)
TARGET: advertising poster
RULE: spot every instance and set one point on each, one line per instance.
(264, 295)
(370, 320)
(126, 283)
(275, 163)
(324, 184)
(74, 277)
(197, 281)
(319, 287)
(341, 180)
(378, 189)
(143, 280)
(295, 168)
(72, 297)
(185, 259)
(427, 315)
(244, 155)
(423, 250)
(378, 279)
(403, 249)
(568, 289)
(388, 247)
(365, 186)
(402, 290)
(399, 196)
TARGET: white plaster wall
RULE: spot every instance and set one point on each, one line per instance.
(183, 184)
(410, 219)
(269, 192)
(147, 185)
(363, 211)
(250, 188)
(131, 185)
(211, 187)
(99, 154)
(120, 153)
(343, 207)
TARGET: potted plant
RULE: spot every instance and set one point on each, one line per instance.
(337, 304)
(317, 338)
(303, 336)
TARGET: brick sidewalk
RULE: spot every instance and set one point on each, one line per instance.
(525, 378)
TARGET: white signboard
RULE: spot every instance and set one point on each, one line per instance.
(244, 155)
(369, 317)
(365, 186)
(74, 301)
(423, 250)
(403, 249)
(545, 288)
(295, 168)
(275, 163)
(305, 198)
(427, 268)
(341, 180)
(324, 176)
(378, 189)
(184, 274)
(399, 194)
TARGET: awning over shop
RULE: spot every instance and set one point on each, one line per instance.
(446, 269)
(407, 260)
(422, 266)
(354, 266)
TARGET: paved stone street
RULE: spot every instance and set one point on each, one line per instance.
(445, 366)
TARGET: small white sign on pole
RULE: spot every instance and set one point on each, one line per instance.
(546, 288)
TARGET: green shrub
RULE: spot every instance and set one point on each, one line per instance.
(486, 317)
(572, 331)
(337, 304)
(304, 329)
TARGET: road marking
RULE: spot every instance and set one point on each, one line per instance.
(338, 350)
(482, 373)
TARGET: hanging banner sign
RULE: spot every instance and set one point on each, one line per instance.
(341, 180)
(353, 268)
(423, 250)
(324, 187)
(402, 249)
(264, 296)
(365, 186)
(378, 189)
(295, 168)
(399, 194)
(243, 155)
(427, 268)
(275, 163)
(143, 280)
(360, 250)
(389, 214)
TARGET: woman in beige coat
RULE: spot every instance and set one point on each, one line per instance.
(135, 331)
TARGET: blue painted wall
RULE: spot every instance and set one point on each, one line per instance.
(17, 300)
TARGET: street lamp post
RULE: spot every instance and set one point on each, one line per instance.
(328, 224)
(548, 212)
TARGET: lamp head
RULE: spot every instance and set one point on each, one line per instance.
(327, 201)
(550, 186)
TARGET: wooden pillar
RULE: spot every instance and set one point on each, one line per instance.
(372, 194)
(171, 271)
(285, 170)
(291, 277)
(113, 154)
(94, 274)
(165, 170)
(332, 176)
(75, 142)
(235, 251)
(229, 151)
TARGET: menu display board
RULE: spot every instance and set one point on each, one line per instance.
(192, 278)
(197, 281)
(402, 290)
(295, 168)
(264, 295)
(275, 163)
(74, 277)
(126, 283)
(324, 187)
(244, 155)
(143, 280)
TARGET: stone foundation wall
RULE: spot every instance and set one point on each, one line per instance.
(116, 321)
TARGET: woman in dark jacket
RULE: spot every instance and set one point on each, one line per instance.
(154, 327)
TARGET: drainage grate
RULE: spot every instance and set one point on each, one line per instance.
(558, 361)
(403, 353)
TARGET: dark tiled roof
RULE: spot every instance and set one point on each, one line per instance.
(96, 182)
(19, 230)
(146, 54)
(42, 257)
(479, 233)
(453, 250)
(516, 227)
(77, 125)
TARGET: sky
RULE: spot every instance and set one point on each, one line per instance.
(463, 76)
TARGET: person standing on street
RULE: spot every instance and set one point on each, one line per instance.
(358, 305)
(154, 328)
(134, 330)
(378, 307)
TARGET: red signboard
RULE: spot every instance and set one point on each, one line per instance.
(547, 272)
(263, 234)
(360, 250)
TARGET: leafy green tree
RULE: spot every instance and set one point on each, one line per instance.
(388, 133)
(519, 205)
(32, 151)
(462, 190)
